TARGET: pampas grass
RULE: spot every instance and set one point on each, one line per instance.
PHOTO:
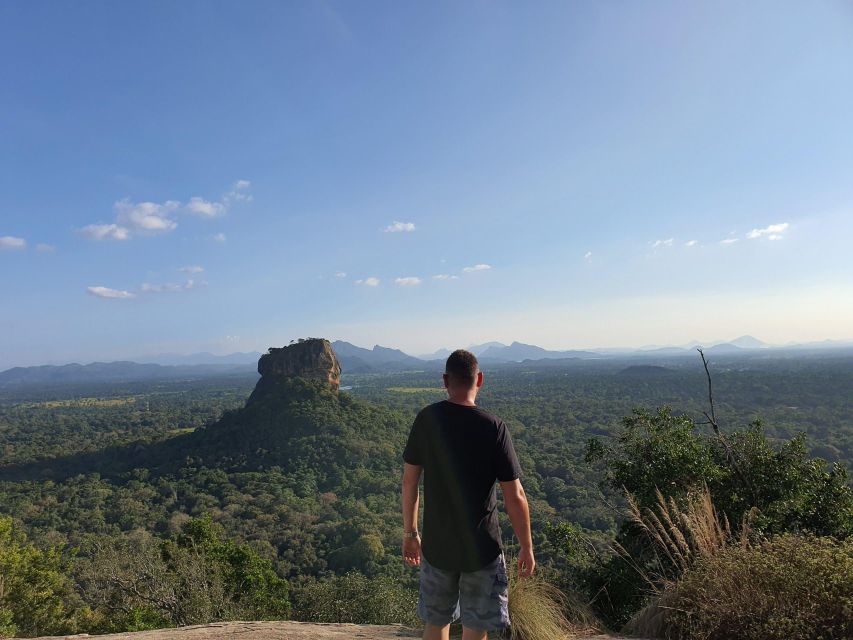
(680, 536)
(538, 610)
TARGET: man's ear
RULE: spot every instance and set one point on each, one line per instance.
(479, 379)
(446, 379)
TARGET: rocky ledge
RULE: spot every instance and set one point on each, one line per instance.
(276, 631)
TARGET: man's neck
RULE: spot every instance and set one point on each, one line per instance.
(464, 399)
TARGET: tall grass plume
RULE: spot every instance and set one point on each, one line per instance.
(540, 611)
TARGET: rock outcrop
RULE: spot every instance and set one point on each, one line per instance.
(263, 631)
(276, 631)
(313, 359)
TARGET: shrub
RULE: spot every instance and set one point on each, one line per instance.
(792, 491)
(36, 594)
(357, 599)
(792, 587)
(540, 611)
(776, 487)
(142, 582)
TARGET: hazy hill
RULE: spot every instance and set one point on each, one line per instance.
(100, 372)
(749, 342)
(518, 351)
(355, 359)
(177, 359)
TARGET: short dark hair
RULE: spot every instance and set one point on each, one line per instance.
(462, 367)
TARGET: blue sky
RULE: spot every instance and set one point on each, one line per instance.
(225, 176)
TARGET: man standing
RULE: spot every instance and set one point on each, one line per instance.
(462, 450)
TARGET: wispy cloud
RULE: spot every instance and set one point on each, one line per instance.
(477, 267)
(106, 292)
(368, 282)
(12, 242)
(772, 232)
(146, 217)
(445, 276)
(239, 193)
(587, 255)
(691, 243)
(205, 208)
(192, 269)
(105, 232)
(340, 274)
(663, 243)
(219, 237)
(728, 240)
(408, 281)
(170, 287)
(153, 218)
(398, 227)
(43, 247)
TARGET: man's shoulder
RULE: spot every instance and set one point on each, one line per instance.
(446, 409)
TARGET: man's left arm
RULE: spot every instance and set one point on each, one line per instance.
(411, 500)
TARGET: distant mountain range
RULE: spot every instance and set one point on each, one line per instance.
(379, 359)
(175, 359)
(355, 359)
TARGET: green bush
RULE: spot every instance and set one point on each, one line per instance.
(36, 595)
(357, 599)
(139, 581)
(790, 490)
(791, 587)
(777, 487)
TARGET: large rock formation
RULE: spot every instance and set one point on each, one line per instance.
(313, 359)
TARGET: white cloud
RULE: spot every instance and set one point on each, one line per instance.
(775, 236)
(146, 217)
(369, 282)
(201, 207)
(105, 232)
(232, 339)
(43, 247)
(771, 230)
(587, 255)
(691, 243)
(150, 218)
(192, 269)
(11, 242)
(663, 243)
(219, 237)
(169, 287)
(106, 292)
(477, 267)
(238, 193)
(408, 281)
(340, 274)
(728, 241)
(444, 276)
(397, 227)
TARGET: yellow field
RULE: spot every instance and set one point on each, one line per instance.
(86, 402)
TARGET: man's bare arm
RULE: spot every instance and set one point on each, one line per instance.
(411, 498)
(519, 515)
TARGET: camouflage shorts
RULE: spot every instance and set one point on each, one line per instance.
(478, 597)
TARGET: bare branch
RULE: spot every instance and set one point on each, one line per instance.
(712, 420)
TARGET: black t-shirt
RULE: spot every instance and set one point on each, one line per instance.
(462, 450)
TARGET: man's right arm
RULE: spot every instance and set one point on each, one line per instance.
(519, 515)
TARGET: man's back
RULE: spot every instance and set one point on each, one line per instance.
(463, 450)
